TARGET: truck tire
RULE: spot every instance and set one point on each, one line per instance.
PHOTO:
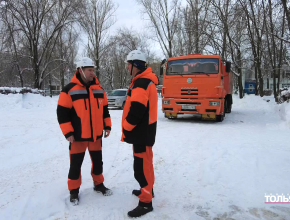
(228, 108)
(220, 118)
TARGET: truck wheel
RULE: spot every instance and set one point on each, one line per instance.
(229, 109)
(220, 118)
(229, 104)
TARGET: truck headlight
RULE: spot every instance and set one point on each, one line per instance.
(166, 102)
(214, 103)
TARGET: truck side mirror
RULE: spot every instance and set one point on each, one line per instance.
(228, 66)
(161, 70)
(161, 67)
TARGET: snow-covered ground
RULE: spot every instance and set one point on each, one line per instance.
(204, 170)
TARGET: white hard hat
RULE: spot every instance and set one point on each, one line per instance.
(136, 55)
(85, 62)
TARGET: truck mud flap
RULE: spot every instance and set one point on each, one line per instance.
(170, 115)
(208, 117)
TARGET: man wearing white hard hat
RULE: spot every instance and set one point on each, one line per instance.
(83, 116)
(139, 123)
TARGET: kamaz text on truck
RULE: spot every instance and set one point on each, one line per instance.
(197, 84)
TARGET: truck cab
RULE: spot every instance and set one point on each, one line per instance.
(196, 84)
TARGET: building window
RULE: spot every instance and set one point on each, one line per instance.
(285, 85)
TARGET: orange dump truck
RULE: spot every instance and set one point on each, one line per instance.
(197, 84)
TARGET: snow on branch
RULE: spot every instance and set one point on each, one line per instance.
(16, 90)
(237, 74)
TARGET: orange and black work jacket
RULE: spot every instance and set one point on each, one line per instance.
(139, 119)
(82, 110)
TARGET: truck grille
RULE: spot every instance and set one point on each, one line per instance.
(188, 103)
(210, 110)
(189, 110)
(189, 91)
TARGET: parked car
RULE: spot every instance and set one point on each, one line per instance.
(117, 98)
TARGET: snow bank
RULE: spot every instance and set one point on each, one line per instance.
(284, 112)
(266, 106)
(26, 101)
(284, 95)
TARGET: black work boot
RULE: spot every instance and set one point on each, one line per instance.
(74, 198)
(142, 209)
(102, 189)
(137, 192)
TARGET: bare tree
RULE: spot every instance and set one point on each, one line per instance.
(125, 41)
(62, 68)
(196, 17)
(235, 30)
(287, 12)
(12, 41)
(227, 35)
(164, 20)
(40, 27)
(113, 66)
(275, 46)
(96, 17)
(255, 23)
(221, 13)
(66, 51)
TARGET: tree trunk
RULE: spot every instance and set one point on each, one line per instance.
(257, 81)
(196, 28)
(36, 76)
(62, 70)
(21, 80)
(281, 52)
(50, 86)
(261, 81)
(278, 78)
(274, 85)
(20, 74)
(97, 68)
(287, 12)
(240, 83)
(240, 78)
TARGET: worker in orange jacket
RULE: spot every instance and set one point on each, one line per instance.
(139, 123)
(83, 114)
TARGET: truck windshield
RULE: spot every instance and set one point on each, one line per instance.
(117, 93)
(192, 67)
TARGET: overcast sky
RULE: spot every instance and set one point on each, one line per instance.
(128, 14)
